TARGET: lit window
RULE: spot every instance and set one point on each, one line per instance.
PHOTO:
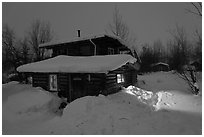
(110, 51)
(53, 82)
(120, 78)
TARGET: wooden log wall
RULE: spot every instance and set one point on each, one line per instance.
(63, 85)
(75, 85)
(111, 85)
(90, 84)
(41, 80)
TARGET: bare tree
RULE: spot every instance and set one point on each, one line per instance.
(197, 8)
(10, 54)
(198, 47)
(25, 50)
(180, 57)
(147, 58)
(179, 48)
(118, 26)
(158, 50)
(40, 32)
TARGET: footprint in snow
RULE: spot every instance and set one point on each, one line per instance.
(123, 119)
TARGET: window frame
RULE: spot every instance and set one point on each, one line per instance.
(110, 51)
(50, 86)
(120, 78)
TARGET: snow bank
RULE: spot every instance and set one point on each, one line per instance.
(131, 111)
(126, 112)
(12, 88)
(91, 115)
(29, 103)
(10, 83)
(162, 81)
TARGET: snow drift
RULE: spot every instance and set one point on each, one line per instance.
(91, 115)
(105, 115)
(29, 103)
(130, 111)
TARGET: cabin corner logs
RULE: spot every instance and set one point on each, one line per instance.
(75, 85)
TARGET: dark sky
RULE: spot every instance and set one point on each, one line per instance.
(147, 21)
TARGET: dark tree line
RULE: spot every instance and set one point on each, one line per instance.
(179, 49)
(178, 52)
(16, 52)
(152, 54)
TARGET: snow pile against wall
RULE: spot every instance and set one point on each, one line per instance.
(70, 64)
(29, 103)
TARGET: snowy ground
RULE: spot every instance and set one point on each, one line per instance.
(163, 104)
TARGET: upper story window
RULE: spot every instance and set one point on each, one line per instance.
(110, 51)
(47, 53)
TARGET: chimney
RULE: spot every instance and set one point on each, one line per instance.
(78, 32)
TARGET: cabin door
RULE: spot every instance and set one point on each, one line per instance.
(78, 86)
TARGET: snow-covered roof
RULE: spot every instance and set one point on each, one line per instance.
(79, 64)
(57, 42)
(160, 63)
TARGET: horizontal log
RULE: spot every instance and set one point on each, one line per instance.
(45, 81)
(40, 78)
(41, 75)
(111, 81)
(95, 79)
(117, 71)
(110, 74)
(62, 75)
(63, 81)
(94, 83)
(109, 78)
(111, 85)
(60, 85)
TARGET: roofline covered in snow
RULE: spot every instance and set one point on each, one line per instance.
(58, 42)
(160, 63)
(79, 64)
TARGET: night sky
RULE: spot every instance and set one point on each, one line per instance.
(147, 21)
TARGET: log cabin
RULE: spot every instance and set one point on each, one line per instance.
(76, 76)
